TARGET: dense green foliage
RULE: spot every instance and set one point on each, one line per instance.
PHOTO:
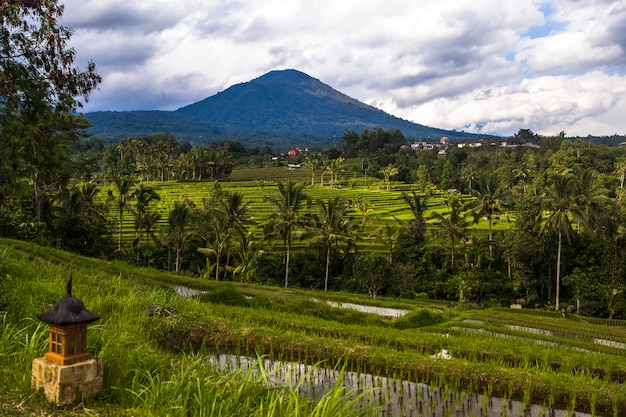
(476, 224)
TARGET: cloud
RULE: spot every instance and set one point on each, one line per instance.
(489, 65)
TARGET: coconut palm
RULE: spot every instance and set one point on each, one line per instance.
(388, 172)
(330, 227)
(217, 242)
(286, 216)
(560, 200)
(232, 207)
(123, 185)
(247, 253)
(491, 197)
(590, 194)
(144, 196)
(388, 235)
(313, 162)
(364, 209)
(418, 204)
(178, 233)
(335, 167)
(451, 225)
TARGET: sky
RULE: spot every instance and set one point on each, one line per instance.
(485, 66)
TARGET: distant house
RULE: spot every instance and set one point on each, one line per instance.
(293, 152)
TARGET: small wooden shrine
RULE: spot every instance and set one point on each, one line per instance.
(67, 372)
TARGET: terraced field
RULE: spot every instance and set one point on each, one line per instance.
(156, 341)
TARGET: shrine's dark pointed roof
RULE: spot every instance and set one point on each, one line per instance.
(68, 310)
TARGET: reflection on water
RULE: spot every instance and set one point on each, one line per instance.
(387, 396)
(186, 291)
(381, 311)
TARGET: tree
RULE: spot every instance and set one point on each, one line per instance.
(490, 198)
(286, 216)
(364, 209)
(123, 185)
(418, 205)
(313, 162)
(388, 172)
(237, 214)
(334, 167)
(217, 242)
(79, 221)
(388, 235)
(560, 200)
(330, 227)
(40, 89)
(178, 233)
(143, 195)
(372, 270)
(248, 255)
(451, 225)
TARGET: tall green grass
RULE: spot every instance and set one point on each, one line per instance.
(151, 340)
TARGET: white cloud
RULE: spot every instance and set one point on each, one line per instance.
(449, 64)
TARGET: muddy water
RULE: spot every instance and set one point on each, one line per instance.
(387, 396)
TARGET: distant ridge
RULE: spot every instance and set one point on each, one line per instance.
(282, 107)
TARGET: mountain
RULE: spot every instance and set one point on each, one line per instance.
(285, 107)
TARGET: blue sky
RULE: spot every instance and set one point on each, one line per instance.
(486, 66)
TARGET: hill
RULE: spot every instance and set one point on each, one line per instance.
(285, 107)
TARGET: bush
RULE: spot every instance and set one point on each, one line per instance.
(226, 295)
(420, 318)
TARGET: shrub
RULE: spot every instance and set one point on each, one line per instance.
(420, 318)
(226, 295)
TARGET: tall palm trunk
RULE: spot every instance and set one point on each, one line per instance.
(119, 239)
(327, 267)
(558, 271)
(288, 253)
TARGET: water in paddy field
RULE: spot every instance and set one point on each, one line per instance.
(387, 396)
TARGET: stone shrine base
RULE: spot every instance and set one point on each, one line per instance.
(67, 384)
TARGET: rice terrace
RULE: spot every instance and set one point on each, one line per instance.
(156, 346)
(280, 248)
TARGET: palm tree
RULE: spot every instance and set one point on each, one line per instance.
(560, 200)
(178, 229)
(313, 162)
(388, 172)
(490, 198)
(418, 205)
(286, 216)
(247, 253)
(335, 167)
(330, 227)
(620, 168)
(469, 173)
(218, 242)
(590, 194)
(123, 185)
(389, 236)
(231, 206)
(363, 208)
(144, 195)
(451, 225)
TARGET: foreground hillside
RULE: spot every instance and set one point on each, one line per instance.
(155, 344)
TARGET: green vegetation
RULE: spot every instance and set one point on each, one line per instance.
(449, 234)
(154, 343)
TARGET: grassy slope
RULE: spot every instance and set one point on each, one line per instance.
(145, 325)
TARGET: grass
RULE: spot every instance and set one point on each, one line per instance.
(154, 343)
(259, 183)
